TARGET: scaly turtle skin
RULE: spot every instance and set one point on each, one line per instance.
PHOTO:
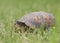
(35, 20)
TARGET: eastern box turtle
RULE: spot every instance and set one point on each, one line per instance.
(34, 20)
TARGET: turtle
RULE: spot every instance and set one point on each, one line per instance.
(34, 20)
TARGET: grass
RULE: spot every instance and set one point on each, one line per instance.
(11, 10)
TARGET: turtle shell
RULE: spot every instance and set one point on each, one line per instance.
(36, 19)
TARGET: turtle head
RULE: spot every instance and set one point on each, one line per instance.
(20, 26)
